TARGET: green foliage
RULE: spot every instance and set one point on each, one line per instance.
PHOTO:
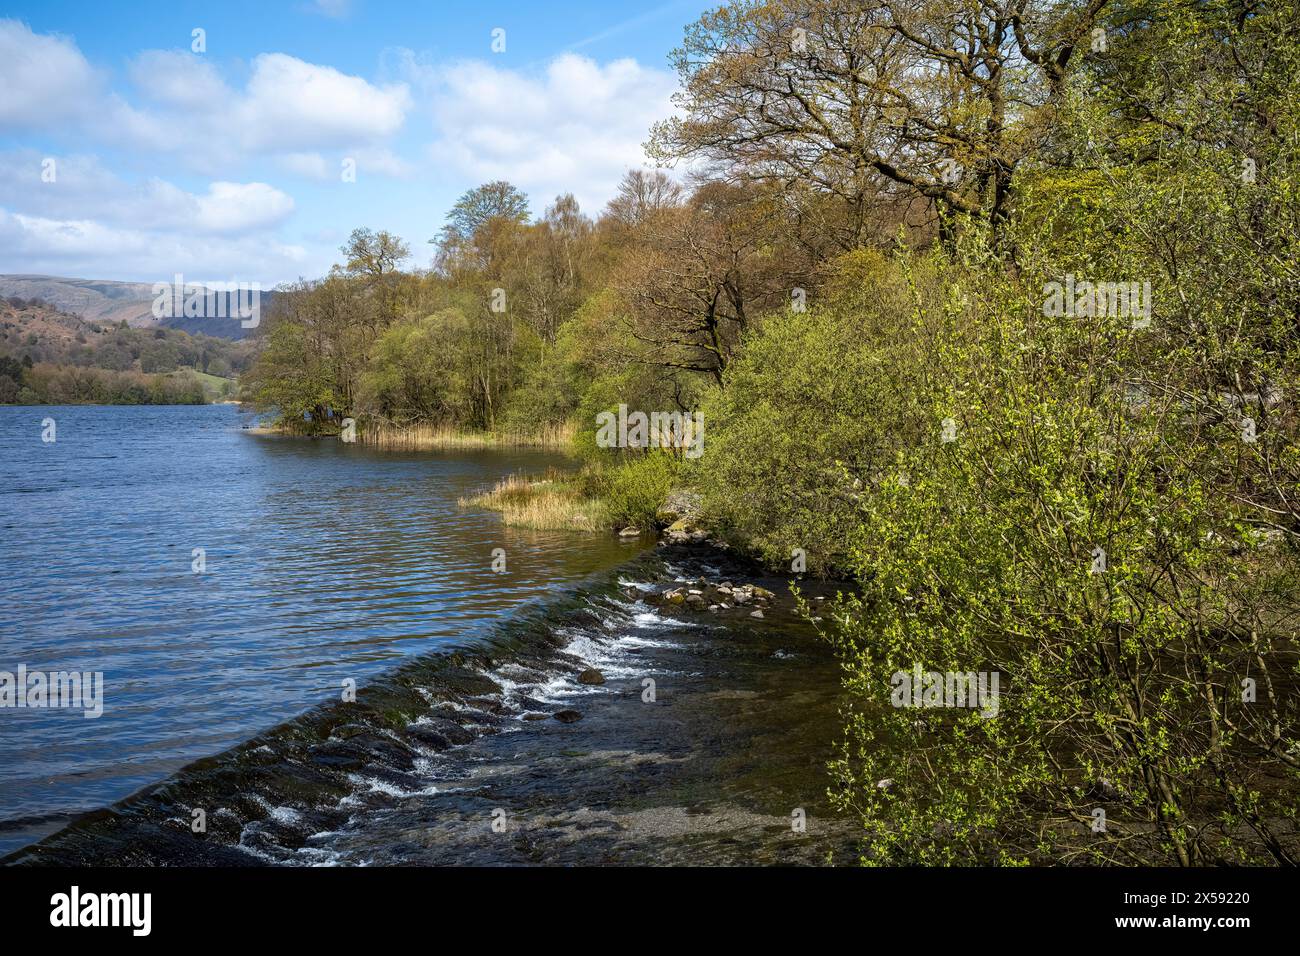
(636, 489)
(294, 378)
(814, 408)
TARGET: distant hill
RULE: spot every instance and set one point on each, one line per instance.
(107, 302)
(35, 333)
(25, 325)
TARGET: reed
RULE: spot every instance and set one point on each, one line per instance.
(415, 437)
(553, 503)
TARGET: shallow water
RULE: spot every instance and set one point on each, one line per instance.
(323, 562)
(706, 743)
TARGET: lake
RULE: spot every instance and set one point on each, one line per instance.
(321, 562)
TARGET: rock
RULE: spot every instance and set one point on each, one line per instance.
(536, 716)
(489, 705)
(443, 726)
(763, 593)
(695, 600)
(742, 596)
(630, 532)
(680, 505)
(591, 676)
(429, 737)
(885, 784)
(674, 596)
(683, 531)
(756, 613)
(567, 716)
(713, 607)
(694, 591)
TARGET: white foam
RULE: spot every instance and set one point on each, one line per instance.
(285, 815)
(375, 785)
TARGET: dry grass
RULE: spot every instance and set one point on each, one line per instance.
(546, 504)
(416, 437)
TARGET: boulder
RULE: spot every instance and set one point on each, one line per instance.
(591, 676)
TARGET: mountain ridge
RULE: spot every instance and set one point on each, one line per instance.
(109, 301)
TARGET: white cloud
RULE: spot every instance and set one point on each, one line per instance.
(577, 127)
(292, 105)
(180, 100)
(83, 190)
(240, 207)
(91, 223)
(91, 249)
(289, 107)
(178, 79)
(44, 80)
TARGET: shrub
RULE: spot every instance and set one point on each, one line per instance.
(637, 489)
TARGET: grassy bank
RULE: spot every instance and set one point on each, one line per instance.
(420, 437)
(553, 502)
(599, 497)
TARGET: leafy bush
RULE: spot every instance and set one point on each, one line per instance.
(814, 408)
(636, 489)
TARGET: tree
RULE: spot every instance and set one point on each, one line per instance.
(373, 258)
(701, 275)
(475, 223)
(373, 255)
(873, 101)
(641, 195)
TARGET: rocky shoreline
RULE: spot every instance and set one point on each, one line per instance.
(626, 724)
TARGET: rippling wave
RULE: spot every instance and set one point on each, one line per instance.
(284, 796)
(324, 562)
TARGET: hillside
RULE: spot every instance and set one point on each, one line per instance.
(45, 348)
(109, 302)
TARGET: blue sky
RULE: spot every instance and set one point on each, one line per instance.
(127, 154)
